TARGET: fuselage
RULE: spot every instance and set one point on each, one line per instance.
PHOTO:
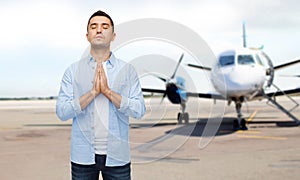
(239, 73)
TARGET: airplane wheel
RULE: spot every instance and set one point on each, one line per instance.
(243, 125)
(179, 118)
(236, 125)
(186, 117)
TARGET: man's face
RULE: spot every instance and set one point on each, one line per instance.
(100, 32)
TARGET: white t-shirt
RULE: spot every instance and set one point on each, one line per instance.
(101, 114)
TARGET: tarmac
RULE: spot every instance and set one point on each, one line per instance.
(34, 143)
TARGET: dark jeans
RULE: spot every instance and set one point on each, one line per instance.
(91, 172)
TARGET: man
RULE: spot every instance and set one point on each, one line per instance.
(99, 93)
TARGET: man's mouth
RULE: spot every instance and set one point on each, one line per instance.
(99, 37)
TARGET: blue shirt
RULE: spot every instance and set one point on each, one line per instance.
(78, 80)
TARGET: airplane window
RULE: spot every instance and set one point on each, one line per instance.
(226, 60)
(245, 59)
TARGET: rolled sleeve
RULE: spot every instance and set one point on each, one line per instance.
(134, 108)
(77, 107)
(133, 105)
(124, 104)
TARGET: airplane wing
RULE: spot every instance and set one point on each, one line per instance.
(189, 94)
(153, 90)
(206, 95)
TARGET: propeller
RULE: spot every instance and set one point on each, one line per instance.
(180, 59)
(166, 79)
(287, 64)
(173, 75)
(159, 77)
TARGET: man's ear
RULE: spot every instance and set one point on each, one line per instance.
(114, 36)
(87, 34)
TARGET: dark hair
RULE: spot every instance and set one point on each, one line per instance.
(101, 13)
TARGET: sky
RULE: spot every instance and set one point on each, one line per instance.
(40, 39)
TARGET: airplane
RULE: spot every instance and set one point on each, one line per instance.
(239, 75)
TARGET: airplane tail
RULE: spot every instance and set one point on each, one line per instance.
(244, 35)
(245, 39)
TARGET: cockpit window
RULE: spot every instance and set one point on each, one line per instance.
(245, 59)
(259, 60)
(226, 60)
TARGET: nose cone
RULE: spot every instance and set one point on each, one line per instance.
(242, 76)
(240, 80)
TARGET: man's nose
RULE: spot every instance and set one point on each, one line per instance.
(99, 29)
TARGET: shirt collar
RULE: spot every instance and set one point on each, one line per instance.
(109, 63)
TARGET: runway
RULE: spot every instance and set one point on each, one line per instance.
(34, 144)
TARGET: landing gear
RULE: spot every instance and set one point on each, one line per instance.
(243, 125)
(239, 123)
(183, 115)
(236, 125)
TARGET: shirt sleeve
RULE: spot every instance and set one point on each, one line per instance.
(133, 105)
(66, 106)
